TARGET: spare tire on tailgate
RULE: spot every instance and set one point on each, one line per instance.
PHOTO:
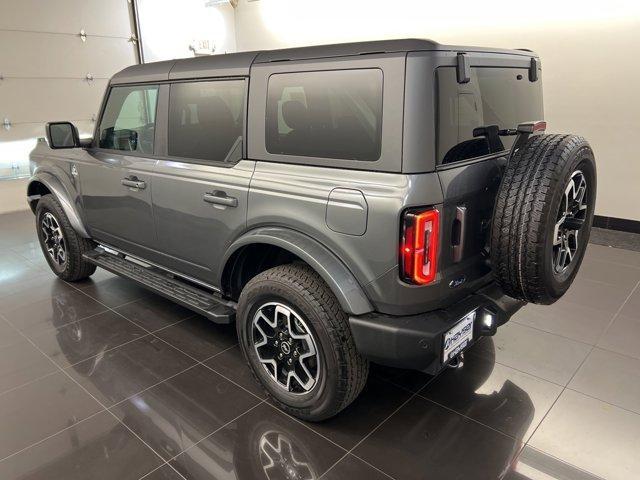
(543, 216)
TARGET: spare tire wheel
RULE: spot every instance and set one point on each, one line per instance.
(543, 216)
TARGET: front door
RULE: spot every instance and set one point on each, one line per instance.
(200, 189)
(116, 173)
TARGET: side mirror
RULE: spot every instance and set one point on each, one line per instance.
(62, 135)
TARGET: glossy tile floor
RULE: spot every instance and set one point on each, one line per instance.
(103, 380)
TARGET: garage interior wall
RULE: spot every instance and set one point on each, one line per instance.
(48, 71)
(588, 51)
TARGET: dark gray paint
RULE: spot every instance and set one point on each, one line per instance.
(347, 211)
(285, 200)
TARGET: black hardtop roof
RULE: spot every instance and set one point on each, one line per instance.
(238, 64)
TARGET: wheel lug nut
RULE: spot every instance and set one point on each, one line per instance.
(280, 356)
(290, 361)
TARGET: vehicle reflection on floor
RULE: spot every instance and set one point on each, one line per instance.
(202, 440)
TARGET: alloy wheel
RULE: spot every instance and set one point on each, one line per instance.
(572, 215)
(53, 239)
(285, 347)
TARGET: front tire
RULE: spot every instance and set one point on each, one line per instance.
(61, 245)
(297, 342)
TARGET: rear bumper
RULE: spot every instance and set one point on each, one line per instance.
(416, 341)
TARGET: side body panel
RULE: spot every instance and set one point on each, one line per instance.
(117, 214)
(297, 196)
(193, 234)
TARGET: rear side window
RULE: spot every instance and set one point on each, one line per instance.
(129, 118)
(206, 120)
(470, 115)
(329, 114)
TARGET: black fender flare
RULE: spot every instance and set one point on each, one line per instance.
(341, 281)
(57, 188)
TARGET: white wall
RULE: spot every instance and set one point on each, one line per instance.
(173, 29)
(13, 195)
(44, 64)
(589, 54)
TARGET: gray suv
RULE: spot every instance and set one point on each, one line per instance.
(390, 201)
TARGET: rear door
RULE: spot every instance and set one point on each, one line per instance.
(201, 182)
(116, 178)
(471, 152)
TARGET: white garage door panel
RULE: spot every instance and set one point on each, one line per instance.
(17, 143)
(96, 17)
(49, 55)
(42, 100)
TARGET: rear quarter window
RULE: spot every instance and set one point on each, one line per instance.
(471, 114)
(326, 114)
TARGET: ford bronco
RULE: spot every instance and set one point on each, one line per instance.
(389, 201)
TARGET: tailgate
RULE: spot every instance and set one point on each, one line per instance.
(469, 195)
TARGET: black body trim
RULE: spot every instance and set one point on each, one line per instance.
(415, 342)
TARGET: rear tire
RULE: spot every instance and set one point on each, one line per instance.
(330, 372)
(56, 235)
(541, 211)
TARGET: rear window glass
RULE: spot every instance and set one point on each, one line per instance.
(205, 120)
(330, 114)
(470, 115)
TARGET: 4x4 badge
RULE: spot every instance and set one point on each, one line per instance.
(74, 170)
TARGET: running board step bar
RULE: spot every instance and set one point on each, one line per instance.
(201, 301)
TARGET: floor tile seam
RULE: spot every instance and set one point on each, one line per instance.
(611, 404)
(34, 380)
(42, 440)
(59, 369)
(560, 335)
(521, 324)
(52, 328)
(181, 351)
(609, 350)
(165, 464)
(585, 359)
(218, 429)
(402, 387)
(478, 422)
(190, 367)
(617, 314)
(104, 407)
(538, 377)
(177, 322)
(140, 439)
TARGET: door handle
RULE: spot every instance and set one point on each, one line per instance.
(220, 198)
(459, 230)
(134, 183)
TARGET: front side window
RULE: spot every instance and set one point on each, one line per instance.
(471, 116)
(128, 121)
(329, 114)
(206, 120)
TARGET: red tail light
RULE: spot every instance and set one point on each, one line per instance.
(419, 246)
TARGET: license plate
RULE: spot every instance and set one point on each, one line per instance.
(458, 338)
